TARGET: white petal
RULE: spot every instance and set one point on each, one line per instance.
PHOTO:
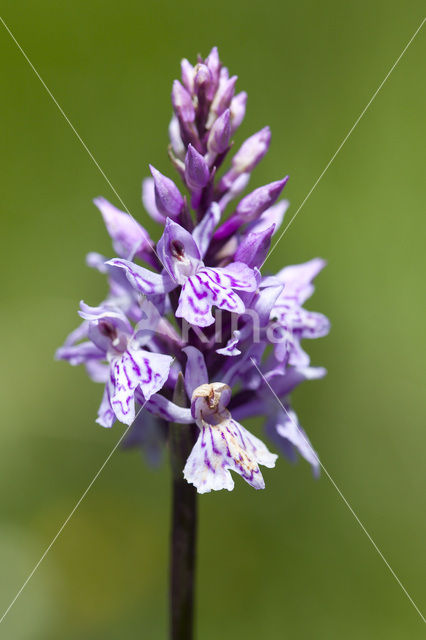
(222, 448)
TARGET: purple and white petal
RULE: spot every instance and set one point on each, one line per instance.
(136, 369)
(196, 370)
(254, 247)
(178, 252)
(77, 334)
(129, 238)
(313, 325)
(108, 326)
(195, 302)
(207, 288)
(223, 444)
(106, 416)
(81, 353)
(107, 312)
(159, 406)
(203, 232)
(121, 293)
(148, 200)
(97, 371)
(176, 141)
(223, 448)
(235, 190)
(168, 198)
(298, 279)
(283, 380)
(144, 280)
(236, 275)
(272, 216)
(264, 301)
(289, 436)
(231, 346)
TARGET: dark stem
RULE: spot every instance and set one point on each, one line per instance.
(184, 528)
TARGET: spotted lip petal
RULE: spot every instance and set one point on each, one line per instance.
(222, 448)
(106, 416)
(136, 369)
(223, 445)
(207, 288)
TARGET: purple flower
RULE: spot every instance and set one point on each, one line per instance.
(293, 321)
(223, 445)
(242, 356)
(202, 287)
(112, 339)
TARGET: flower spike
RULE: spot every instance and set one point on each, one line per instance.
(196, 310)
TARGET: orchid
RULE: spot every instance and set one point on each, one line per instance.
(195, 336)
(204, 274)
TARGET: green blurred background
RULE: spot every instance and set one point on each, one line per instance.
(290, 562)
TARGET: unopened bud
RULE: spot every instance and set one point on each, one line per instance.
(213, 63)
(256, 202)
(238, 110)
(220, 134)
(222, 99)
(182, 103)
(167, 196)
(203, 85)
(187, 74)
(196, 169)
(252, 151)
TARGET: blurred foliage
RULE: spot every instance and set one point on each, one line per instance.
(290, 562)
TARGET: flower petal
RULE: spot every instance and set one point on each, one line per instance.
(222, 448)
(254, 247)
(298, 278)
(196, 370)
(159, 406)
(312, 325)
(231, 346)
(129, 238)
(136, 369)
(106, 416)
(236, 275)
(272, 216)
(148, 200)
(207, 288)
(97, 371)
(289, 436)
(264, 301)
(203, 232)
(178, 252)
(144, 280)
(79, 353)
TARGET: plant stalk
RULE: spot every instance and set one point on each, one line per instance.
(184, 527)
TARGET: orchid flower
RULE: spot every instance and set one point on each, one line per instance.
(205, 271)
